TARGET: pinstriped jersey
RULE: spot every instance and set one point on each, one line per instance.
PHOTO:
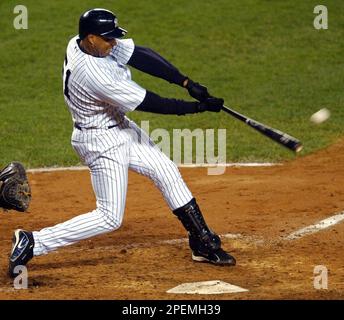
(99, 91)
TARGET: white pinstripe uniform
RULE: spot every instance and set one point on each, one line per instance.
(98, 92)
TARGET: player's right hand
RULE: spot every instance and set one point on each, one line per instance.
(211, 104)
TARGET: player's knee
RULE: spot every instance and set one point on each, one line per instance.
(113, 224)
(111, 219)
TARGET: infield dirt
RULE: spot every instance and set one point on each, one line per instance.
(263, 205)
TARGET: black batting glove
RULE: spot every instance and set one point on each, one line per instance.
(211, 104)
(197, 91)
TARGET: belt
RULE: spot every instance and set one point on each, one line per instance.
(76, 125)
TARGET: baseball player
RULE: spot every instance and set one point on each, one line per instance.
(98, 91)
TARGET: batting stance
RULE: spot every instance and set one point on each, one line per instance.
(98, 91)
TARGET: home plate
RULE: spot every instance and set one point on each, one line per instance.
(206, 287)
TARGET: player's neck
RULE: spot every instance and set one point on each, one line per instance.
(88, 48)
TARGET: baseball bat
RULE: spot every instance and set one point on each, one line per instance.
(280, 137)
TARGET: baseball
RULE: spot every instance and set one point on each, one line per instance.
(320, 116)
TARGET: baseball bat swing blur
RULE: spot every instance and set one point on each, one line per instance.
(280, 137)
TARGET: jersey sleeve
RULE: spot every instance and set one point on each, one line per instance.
(124, 94)
(123, 51)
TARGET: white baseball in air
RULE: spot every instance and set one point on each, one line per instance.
(320, 116)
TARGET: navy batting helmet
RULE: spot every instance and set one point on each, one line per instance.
(100, 22)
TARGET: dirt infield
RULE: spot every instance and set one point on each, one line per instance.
(259, 205)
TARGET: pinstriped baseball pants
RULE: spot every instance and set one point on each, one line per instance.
(109, 154)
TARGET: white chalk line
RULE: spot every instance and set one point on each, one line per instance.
(53, 169)
(323, 224)
(234, 164)
(205, 165)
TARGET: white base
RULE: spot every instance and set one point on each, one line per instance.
(206, 287)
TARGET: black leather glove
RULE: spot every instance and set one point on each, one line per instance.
(15, 191)
(211, 104)
(197, 91)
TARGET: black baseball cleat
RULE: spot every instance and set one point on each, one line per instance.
(22, 250)
(218, 257)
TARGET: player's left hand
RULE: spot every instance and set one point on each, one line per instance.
(197, 91)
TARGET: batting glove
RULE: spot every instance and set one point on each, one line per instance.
(211, 104)
(197, 91)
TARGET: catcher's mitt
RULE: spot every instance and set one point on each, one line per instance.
(15, 192)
